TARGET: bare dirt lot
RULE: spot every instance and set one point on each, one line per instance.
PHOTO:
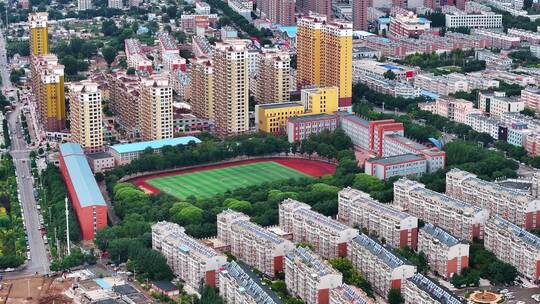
(32, 290)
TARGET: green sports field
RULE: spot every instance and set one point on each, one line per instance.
(207, 183)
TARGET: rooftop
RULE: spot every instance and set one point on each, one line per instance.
(81, 176)
(250, 283)
(356, 119)
(386, 256)
(308, 257)
(154, 144)
(280, 105)
(388, 160)
(312, 117)
(518, 232)
(440, 234)
(434, 290)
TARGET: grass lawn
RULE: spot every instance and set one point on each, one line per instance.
(204, 184)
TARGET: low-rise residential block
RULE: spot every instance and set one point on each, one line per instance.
(328, 237)
(446, 255)
(189, 259)
(422, 290)
(463, 220)
(251, 243)
(379, 265)
(397, 228)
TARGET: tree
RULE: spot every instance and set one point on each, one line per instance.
(528, 112)
(351, 275)
(130, 71)
(389, 75)
(109, 54)
(109, 28)
(394, 296)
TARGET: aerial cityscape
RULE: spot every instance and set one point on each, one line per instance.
(270, 151)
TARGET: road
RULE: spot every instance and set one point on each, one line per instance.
(39, 261)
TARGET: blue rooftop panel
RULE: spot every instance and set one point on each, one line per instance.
(154, 144)
(290, 30)
(429, 94)
(81, 176)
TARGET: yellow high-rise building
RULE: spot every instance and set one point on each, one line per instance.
(86, 115)
(336, 68)
(272, 118)
(39, 33)
(324, 55)
(48, 86)
(156, 107)
(308, 50)
(202, 87)
(273, 76)
(320, 100)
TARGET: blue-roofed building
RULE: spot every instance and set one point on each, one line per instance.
(290, 31)
(421, 289)
(125, 153)
(84, 193)
(378, 264)
(446, 255)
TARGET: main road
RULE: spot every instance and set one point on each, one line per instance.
(39, 262)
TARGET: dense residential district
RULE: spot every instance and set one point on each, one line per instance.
(270, 151)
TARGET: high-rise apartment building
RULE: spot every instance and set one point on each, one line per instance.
(398, 228)
(322, 7)
(309, 277)
(328, 237)
(379, 265)
(324, 52)
(514, 245)
(360, 14)
(273, 76)
(278, 11)
(517, 207)
(463, 220)
(422, 290)
(48, 87)
(86, 115)
(83, 5)
(238, 284)
(446, 255)
(231, 88)
(156, 114)
(202, 87)
(39, 33)
(115, 4)
(190, 260)
(124, 92)
(251, 243)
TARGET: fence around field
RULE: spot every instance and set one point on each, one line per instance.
(332, 161)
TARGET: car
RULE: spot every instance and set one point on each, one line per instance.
(504, 291)
(520, 302)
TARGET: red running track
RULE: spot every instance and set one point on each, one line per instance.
(310, 167)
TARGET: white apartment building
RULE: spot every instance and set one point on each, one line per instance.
(494, 61)
(251, 243)
(390, 87)
(497, 103)
(531, 37)
(452, 108)
(420, 289)
(484, 124)
(514, 245)
(156, 104)
(446, 255)
(190, 260)
(170, 53)
(310, 277)
(83, 5)
(328, 237)
(442, 85)
(135, 56)
(484, 20)
(517, 207)
(202, 8)
(377, 69)
(397, 228)
(463, 220)
(346, 294)
(379, 265)
(86, 115)
(238, 284)
(395, 144)
(242, 7)
(498, 39)
(115, 4)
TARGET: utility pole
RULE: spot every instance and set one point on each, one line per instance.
(67, 228)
